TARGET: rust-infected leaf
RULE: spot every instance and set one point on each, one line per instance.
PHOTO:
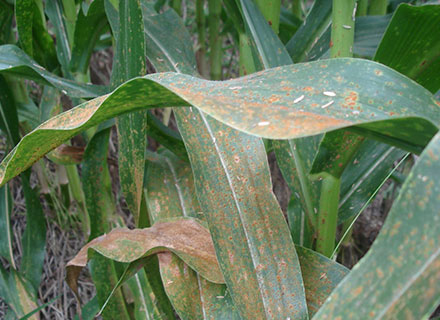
(378, 99)
(185, 237)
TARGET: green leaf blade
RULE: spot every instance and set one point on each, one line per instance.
(392, 279)
(411, 44)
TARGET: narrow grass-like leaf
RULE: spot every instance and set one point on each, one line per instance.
(411, 44)
(5, 226)
(54, 12)
(262, 35)
(316, 23)
(8, 113)
(295, 158)
(6, 18)
(88, 28)
(144, 305)
(393, 280)
(369, 167)
(168, 53)
(97, 185)
(361, 98)
(34, 236)
(130, 62)
(15, 62)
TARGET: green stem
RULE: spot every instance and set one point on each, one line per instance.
(271, 11)
(215, 42)
(201, 30)
(342, 38)
(246, 59)
(328, 215)
(378, 7)
(297, 9)
(342, 28)
(362, 8)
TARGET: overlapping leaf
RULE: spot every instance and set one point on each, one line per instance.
(362, 93)
(15, 62)
(411, 44)
(398, 276)
(186, 238)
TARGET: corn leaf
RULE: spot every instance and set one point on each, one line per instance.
(17, 293)
(315, 24)
(130, 62)
(88, 28)
(411, 44)
(192, 296)
(373, 110)
(15, 62)
(5, 226)
(392, 280)
(185, 237)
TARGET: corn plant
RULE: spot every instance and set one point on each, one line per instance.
(342, 92)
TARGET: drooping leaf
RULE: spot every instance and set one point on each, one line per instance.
(411, 44)
(335, 151)
(357, 102)
(184, 237)
(394, 280)
(15, 62)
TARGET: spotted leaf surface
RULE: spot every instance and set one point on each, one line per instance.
(186, 238)
(170, 192)
(280, 103)
(411, 44)
(399, 276)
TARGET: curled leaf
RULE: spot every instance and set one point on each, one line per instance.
(186, 238)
